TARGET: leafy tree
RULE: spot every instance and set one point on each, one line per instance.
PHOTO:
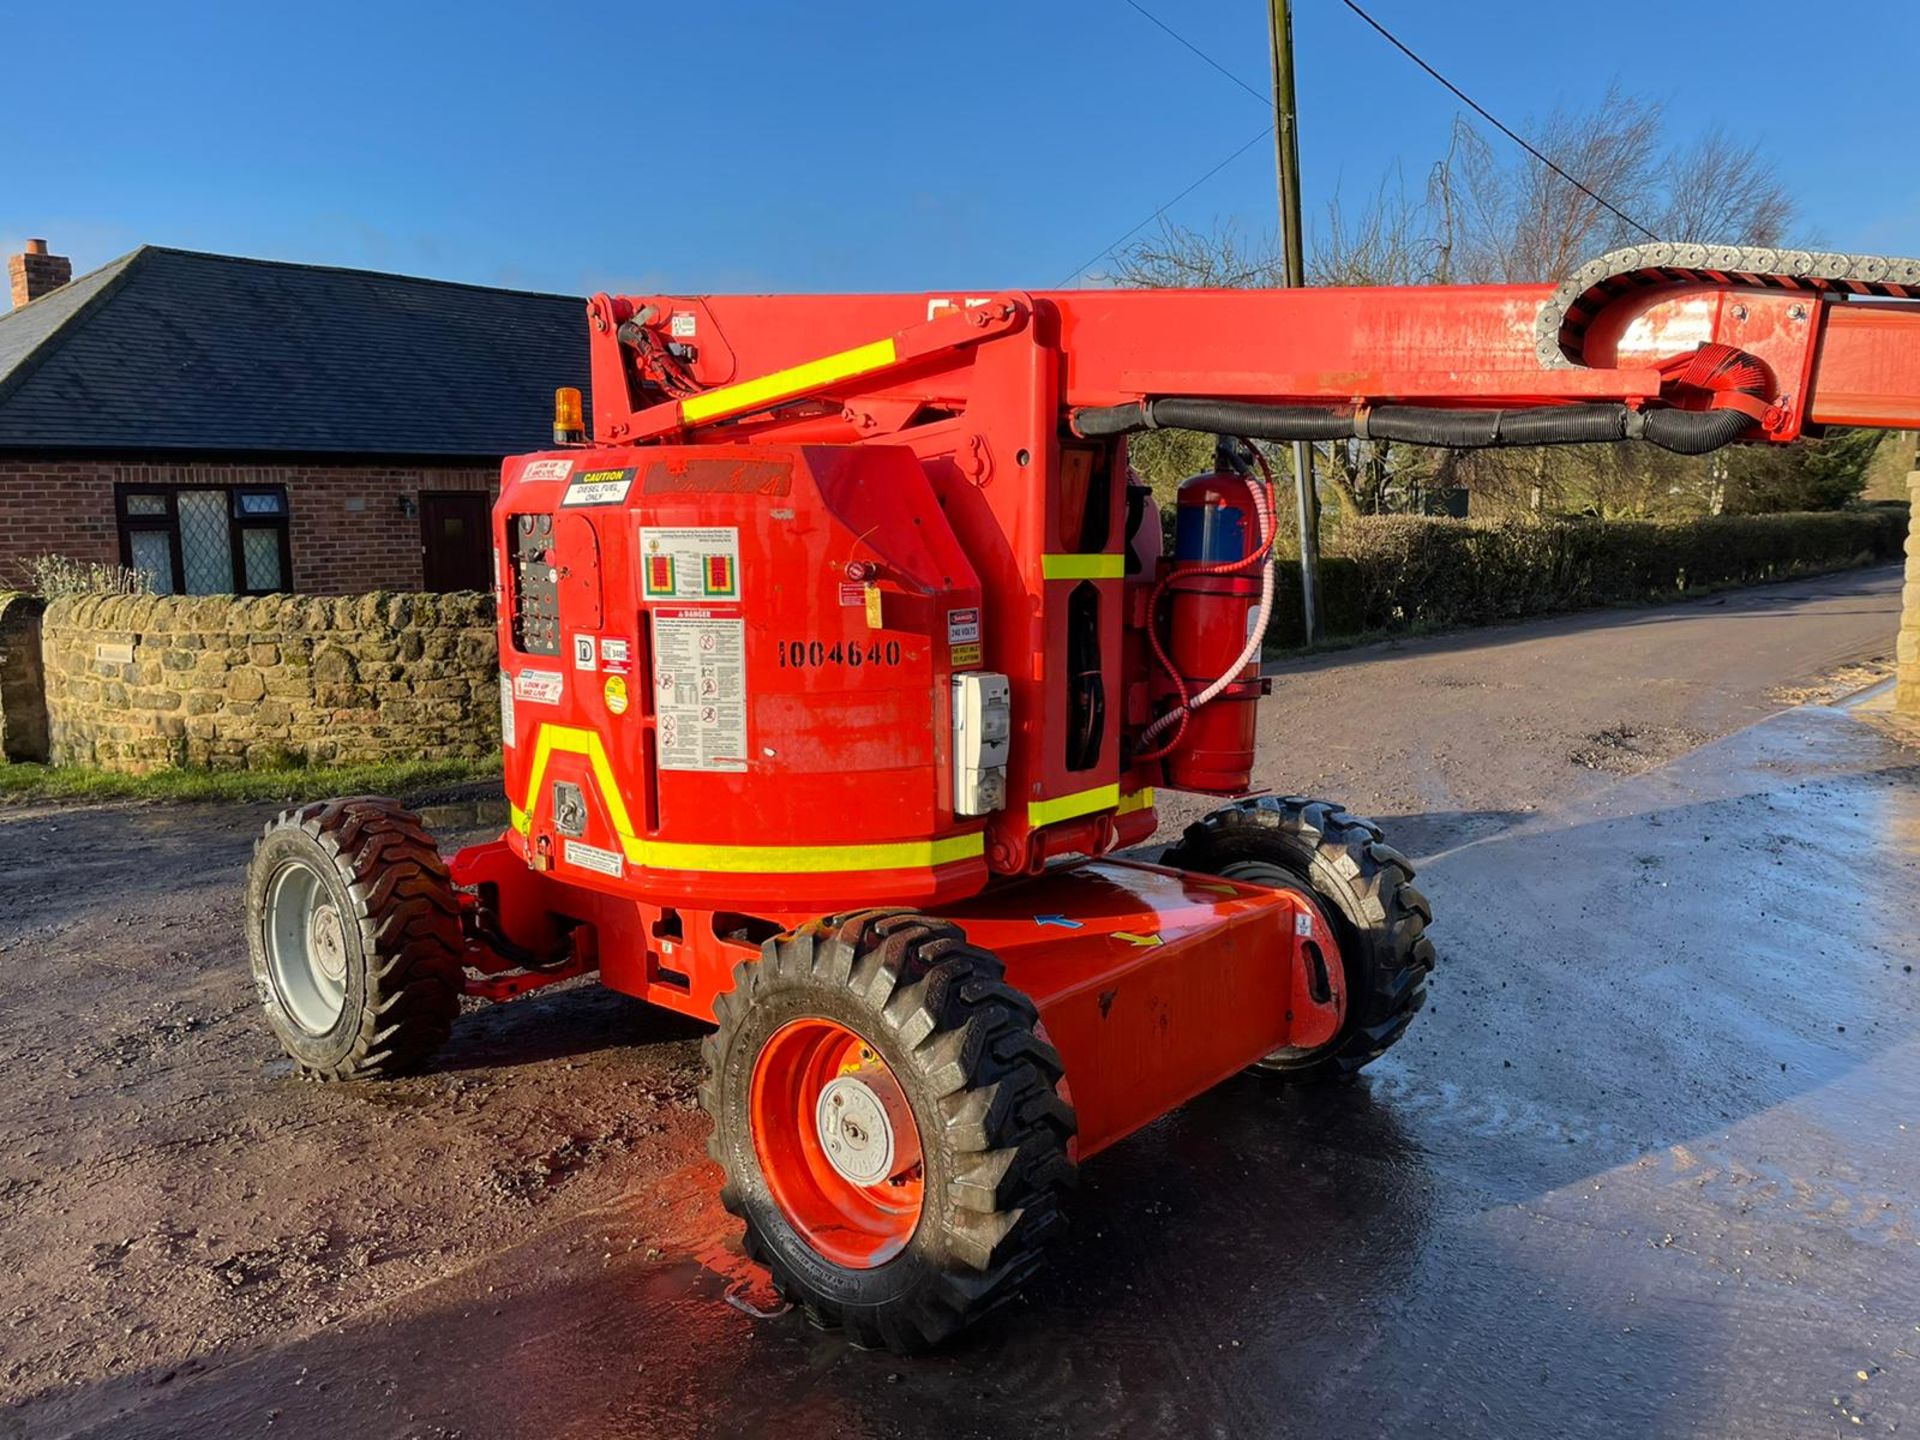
(1822, 474)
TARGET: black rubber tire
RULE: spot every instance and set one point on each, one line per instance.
(982, 1087)
(400, 921)
(1363, 887)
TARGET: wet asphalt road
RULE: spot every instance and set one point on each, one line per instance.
(1648, 1165)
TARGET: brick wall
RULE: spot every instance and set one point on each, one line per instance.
(138, 682)
(348, 531)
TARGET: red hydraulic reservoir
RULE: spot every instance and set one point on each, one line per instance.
(1210, 615)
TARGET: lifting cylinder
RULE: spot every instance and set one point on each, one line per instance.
(1209, 618)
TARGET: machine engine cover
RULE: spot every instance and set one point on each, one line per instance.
(749, 691)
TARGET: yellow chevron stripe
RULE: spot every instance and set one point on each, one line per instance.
(729, 859)
(1083, 567)
(1065, 807)
(783, 384)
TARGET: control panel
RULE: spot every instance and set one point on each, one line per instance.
(982, 734)
(536, 586)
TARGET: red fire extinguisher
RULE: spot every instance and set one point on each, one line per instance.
(1212, 606)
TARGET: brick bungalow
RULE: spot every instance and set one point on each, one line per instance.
(249, 426)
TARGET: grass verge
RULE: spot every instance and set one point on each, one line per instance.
(400, 778)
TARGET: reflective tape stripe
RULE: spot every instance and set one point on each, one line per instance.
(1083, 567)
(1065, 807)
(731, 859)
(1138, 800)
(750, 394)
(807, 859)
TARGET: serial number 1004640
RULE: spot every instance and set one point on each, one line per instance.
(802, 654)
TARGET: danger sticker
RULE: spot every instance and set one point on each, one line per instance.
(693, 563)
(700, 690)
(546, 470)
(599, 487)
(962, 626)
(592, 857)
(539, 687)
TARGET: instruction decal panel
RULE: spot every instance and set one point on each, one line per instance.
(700, 689)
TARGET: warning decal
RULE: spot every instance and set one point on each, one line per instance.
(598, 487)
(700, 689)
(546, 470)
(592, 857)
(541, 687)
(699, 563)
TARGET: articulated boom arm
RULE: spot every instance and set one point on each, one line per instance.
(1685, 346)
(994, 425)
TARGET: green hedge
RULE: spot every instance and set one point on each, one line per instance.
(1397, 572)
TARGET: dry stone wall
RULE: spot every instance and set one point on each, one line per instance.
(23, 707)
(139, 682)
(1906, 689)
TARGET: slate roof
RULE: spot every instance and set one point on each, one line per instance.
(176, 351)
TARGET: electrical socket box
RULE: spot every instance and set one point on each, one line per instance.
(982, 736)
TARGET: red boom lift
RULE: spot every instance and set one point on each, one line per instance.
(839, 663)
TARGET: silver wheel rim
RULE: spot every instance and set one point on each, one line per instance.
(306, 948)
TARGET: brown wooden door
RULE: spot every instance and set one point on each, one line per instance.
(453, 540)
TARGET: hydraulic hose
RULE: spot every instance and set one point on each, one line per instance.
(1737, 383)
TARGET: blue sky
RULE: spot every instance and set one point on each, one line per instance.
(845, 146)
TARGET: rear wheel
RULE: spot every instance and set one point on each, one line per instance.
(889, 1125)
(1364, 889)
(353, 932)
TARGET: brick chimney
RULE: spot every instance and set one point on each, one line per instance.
(37, 273)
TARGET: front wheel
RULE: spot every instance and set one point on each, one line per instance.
(889, 1125)
(1364, 889)
(353, 932)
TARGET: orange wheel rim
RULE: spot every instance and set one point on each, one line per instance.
(837, 1143)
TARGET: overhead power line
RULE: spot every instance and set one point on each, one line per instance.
(1181, 39)
(1160, 210)
(1397, 44)
(1486, 115)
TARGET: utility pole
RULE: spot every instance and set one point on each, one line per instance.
(1286, 159)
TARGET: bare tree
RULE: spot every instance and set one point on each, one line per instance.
(1176, 257)
(1515, 219)
(1719, 192)
(1492, 215)
(1387, 243)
